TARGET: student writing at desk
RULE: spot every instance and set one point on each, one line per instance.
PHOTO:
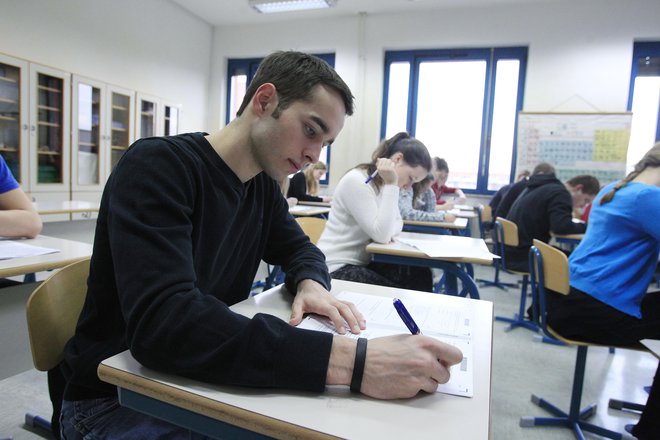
(418, 203)
(304, 185)
(502, 192)
(611, 270)
(18, 218)
(546, 206)
(183, 224)
(440, 175)
(366, 208)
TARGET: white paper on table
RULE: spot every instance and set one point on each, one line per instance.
(451, 325)
(13, 249)
(303, 208)
(449, 246)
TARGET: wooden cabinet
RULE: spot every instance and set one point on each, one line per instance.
(14, 135)
(61, 134)
(122, 131)
(50, 101)
(148, 121)
(155, 117)
(171, 116)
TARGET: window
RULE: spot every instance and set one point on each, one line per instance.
(240, 72)
(644, 100)
(463, 104)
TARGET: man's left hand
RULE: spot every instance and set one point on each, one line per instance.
(312, 297)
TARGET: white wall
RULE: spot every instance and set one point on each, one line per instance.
(152, 46)
(580, 54)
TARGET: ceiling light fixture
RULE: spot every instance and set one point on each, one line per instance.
(271, 6)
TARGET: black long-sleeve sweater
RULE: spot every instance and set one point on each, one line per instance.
(179, 239)
(545, 206)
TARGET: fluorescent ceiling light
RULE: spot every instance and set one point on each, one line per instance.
(270, 6)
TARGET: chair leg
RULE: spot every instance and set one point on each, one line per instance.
(519, 319)
(622, 405)
(576, 418)
(496, 280)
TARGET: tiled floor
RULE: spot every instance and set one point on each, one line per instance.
(521, 366)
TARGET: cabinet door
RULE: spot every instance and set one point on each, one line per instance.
(122, 115)
(14, 117)
(147, 123)
(50, 98)
(171, 119)
(89, 135)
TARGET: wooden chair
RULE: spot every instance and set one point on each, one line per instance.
(312, 226)
(52, 314)
(506, 234)
(497, 245)
(549, 271)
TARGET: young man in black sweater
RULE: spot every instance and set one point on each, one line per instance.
(183, 224)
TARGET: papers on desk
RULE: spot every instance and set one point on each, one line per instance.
(464, 207)
(303, 208)
(462, 213)
(14, 249)
(449, 246)
(449, 325)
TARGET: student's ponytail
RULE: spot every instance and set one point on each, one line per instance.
(650, 159)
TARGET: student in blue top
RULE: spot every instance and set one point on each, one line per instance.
(18, 218)
(610, 272)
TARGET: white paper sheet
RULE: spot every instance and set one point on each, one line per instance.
(13, 249)
(449, 246)
(449, 325)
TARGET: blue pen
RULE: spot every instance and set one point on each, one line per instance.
(370, 178)
(406, 318)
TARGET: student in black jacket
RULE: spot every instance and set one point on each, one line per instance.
(508, 199)
(545, 206)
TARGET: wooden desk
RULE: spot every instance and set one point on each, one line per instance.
(457, 226)
(65, 207)
(70, 252)
(308, 210)
(571, 239)
(400, 253)
(242, 412)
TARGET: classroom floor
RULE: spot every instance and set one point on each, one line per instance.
(521, 366)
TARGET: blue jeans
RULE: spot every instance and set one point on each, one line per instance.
(105, 418)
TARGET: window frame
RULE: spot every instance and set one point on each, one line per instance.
(643, 49)
(491, 55)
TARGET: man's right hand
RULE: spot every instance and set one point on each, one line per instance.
(396, 366)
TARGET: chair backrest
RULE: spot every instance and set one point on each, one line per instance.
(509, 232)
(312, 227)
(52, 313)
(555, 268)
(548, 271)
(486, 213)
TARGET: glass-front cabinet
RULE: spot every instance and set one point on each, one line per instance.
(147, 117)
(171, 116)
(50, 92)
(121, 122)
(88, 135)
(13, 117)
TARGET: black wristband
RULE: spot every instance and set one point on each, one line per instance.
(358, 366)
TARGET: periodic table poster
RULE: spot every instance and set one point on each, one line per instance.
(575, 143)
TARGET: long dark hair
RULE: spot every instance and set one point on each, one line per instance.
(650, 159)
(414, 153)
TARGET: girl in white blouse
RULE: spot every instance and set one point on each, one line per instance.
(366, 209)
